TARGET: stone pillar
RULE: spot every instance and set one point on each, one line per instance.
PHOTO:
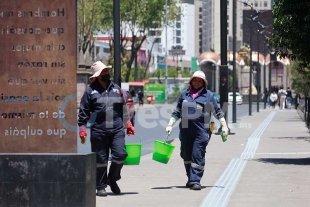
(51, 179)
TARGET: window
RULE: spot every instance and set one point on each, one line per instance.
(106, 50)
(178, 40)
(256, 4)
(178, 32)
(241, 26)
(178, 25)
(200, 16)
(200, 9)
(227, 17)
(265, 4)
(200, 22)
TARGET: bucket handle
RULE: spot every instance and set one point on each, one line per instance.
(139, 139)
(167, 138)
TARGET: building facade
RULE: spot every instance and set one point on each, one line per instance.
(211, 22)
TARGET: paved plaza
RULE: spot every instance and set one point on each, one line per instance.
(266, 163)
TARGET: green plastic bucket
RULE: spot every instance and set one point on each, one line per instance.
(162, 151)
(134, 154)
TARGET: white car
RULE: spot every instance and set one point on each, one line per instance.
(238, 98)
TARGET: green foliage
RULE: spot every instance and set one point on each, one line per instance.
(175, 94)
(291, 28)
(300, 78)
(137, 18)
(89, 21)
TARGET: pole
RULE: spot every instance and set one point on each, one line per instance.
(234, 118)
(117, 45)
(257, 75)
(269, 74)
(223, 67)
(166, 56)
(251, 71)
(265, 74)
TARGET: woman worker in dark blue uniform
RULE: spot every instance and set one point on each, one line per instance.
(194, 107)
(104, 99)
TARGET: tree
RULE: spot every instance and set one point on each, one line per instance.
(89, 21)
(137, 17)
(300, 78)
(291, 27)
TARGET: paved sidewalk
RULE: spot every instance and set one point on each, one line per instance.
(266, 163)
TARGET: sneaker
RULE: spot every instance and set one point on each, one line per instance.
(101, 192)
(114, 187)
(196, 187)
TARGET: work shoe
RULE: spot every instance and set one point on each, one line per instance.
(195, 187)
(114, 187)
(101, 192)
(188, 185)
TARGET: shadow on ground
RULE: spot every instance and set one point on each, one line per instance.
(170, 187)
(286, 161)
(307, 139)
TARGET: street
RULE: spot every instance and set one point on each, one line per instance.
(151, 122)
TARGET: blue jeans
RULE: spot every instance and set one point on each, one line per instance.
(288, 102)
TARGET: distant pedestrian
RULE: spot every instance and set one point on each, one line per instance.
(133, 93)
(289, 98)
(282, 96)
(140, 97)
(266, 96)
(297, 100)
(273, 99)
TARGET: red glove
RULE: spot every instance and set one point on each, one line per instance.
(130, 128)
(83, 134)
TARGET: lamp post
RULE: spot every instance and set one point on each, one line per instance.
(265, 74)
(251, 70)
(117, 42)
(166, 76)
(257, 73)
(234, 117)
(223, 68)
(213, 77)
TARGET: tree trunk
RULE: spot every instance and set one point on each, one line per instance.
(132, 57)
(149, 59)
(136, 65)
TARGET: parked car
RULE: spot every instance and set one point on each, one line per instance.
(130, 104)
(238, 98)
(216, 97)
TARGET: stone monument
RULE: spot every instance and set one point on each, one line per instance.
(245, 74)
(38, 125)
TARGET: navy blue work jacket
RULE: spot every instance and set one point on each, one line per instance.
(195, 113)
(108, 105)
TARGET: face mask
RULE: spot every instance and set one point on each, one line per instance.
(105, 78)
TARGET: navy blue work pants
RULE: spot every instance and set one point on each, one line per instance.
(102, 146)
(193, 150)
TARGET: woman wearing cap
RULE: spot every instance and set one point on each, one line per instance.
(193, 108)
(103, 98)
